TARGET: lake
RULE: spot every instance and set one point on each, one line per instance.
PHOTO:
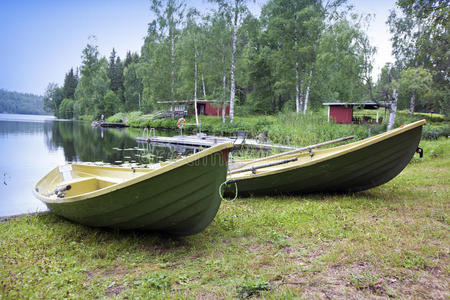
(30, 146)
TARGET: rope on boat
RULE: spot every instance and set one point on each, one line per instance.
(226, 182)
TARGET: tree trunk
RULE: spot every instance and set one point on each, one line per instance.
(392, 110)
(224, 90)
(412, 104)
(195, 83)
(301, 94)
(307, 91)
(297, 89)
(233, 62)
(393, 105)
(172, 61)
(369, 83)
(204, 88)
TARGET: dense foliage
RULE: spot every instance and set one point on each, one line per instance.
(420, 39)
(296, 55)
(20, 103)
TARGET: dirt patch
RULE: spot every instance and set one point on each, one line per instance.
(363, 281)
(114, 290)
(168, 245)
(116, 271)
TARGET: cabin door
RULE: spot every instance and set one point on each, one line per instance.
(201, 109)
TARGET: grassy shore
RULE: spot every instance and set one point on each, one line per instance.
(289, 128)
(390, 241)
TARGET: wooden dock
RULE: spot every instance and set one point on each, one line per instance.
(108, 124)
(208, 141)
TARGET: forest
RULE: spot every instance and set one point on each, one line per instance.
(296, 55)
(21, 103)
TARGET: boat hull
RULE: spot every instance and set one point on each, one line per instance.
(353, 171)
(180, 201)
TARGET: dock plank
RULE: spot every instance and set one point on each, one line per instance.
(209, 141)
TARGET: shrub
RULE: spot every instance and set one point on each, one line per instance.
(433, 132)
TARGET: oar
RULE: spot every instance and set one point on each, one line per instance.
(307, 148)
(254, 168)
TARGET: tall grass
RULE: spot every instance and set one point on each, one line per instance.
(286, 128)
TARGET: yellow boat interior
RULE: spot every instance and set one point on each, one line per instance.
(76, 179)
(80, 181)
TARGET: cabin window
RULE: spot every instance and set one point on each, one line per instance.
(180, 108)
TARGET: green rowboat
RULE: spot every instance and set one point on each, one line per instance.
(348, 168)
(179, 198)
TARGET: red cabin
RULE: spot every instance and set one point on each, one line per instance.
(212, 108)
(204, 107)
(343, 112)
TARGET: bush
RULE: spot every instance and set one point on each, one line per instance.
(86, 117)
(433, 132)
(66, 109)
(111, 104)
(116, 118)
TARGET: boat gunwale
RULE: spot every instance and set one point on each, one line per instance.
(132, 181)
(334, 152)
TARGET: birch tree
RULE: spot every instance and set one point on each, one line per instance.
(217, 57)
(169, 15)
(406, 33)
(393, 101)
(190, 62)
(236, 9)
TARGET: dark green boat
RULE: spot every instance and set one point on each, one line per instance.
(179, 198)
(353, 167)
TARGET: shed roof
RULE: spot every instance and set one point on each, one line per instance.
(365, 105)
(190, 101)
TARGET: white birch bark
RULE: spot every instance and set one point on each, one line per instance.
(172, 61)
(195, 83)
(233, 62)
(301, 93)
(204, 88)
(224, 87)
(224, 90)
(307, 91)
(393, 105)
(392, 110)
(412, 104)
(297, 89)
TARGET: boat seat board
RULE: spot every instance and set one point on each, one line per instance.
(86, 184)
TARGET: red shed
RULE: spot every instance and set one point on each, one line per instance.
(343, 112)
(212, 108)
(204, 107)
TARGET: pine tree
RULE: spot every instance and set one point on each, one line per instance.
(70, 84)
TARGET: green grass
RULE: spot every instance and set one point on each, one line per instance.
(390, 241)
(289, 128)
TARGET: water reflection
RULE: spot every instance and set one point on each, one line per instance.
(30, 146)
(81, 142)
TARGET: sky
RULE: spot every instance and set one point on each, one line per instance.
(40, 40)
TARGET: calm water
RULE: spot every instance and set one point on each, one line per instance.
(30, 146)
